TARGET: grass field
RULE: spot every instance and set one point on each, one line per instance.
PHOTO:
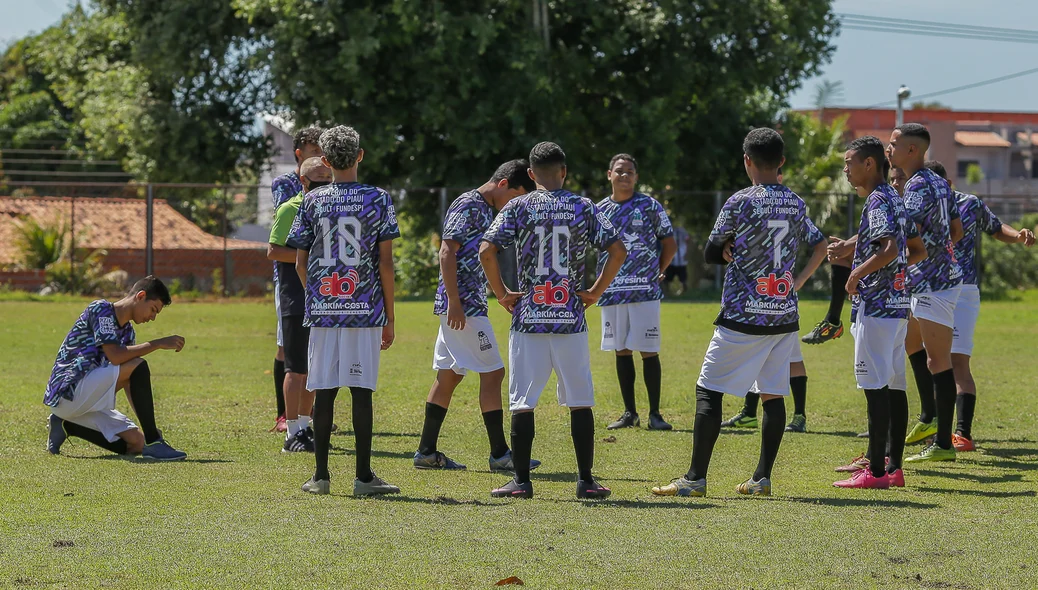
(232, 515)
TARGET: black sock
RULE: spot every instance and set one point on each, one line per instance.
(625, 374)
(279, 385)
(496, 432)
(705, 431)
(924, 383)
(749, 404)
(898, 428)
(798, 385)
(362, 431)
(434, 416)
(522, 444)
(878, 401)
(95, 437)
(771, 429)
(652, 372)
(143, 403)
(944, 391)
(838, 294)
(324, 414)
(582, 428)
(965, 403)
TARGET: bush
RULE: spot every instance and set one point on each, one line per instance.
(87, 277)
(41, 244)
(1008, 267)
(415, 258)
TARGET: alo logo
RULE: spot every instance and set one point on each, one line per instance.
(899, 281)
(550, 294)
(340, 285)
(484, 342)
(774, 286)
(356, 369)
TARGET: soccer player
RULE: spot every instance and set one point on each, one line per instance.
(283, 188)
(99, 357)
(344, 233)
(552, 228)
(757, 327)
(298, 399)
(631, 304)
(466, 339)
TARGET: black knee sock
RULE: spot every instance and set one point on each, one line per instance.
(625, 373)
(705, 431)
(944, 391)
(324, 414)
(878, 401)
(838, 294)
(798, 386)
(965, 403)
(898, 428)
(434, 416)
(496, 432)
(143, 403)
(522, 444)
(924, 383)
(362, 431)
(652, 372)
(279, 385)
(582, 428)
(771, 429)
(749, 404)
(95, 437)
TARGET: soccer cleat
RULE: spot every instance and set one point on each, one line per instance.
(513, 489)
(627, 420)
(897, 478)
(740, 420)
(962, 444)
(863, 434)
(682, 487)
(864, 479)
(436, 460)
(797, 424)
(375, 487)
(859, 463)
(656, 422)
(300, 443)
(761, 487)
(505, 464)
(56, 435)
(592, 490)
(932, 453)
(320, 487)
(161, 451)
(921, 431)
(823, 332)
(279, 425)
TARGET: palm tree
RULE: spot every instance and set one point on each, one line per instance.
(827, 92)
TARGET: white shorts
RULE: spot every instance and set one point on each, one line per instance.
(277, 310)
(343, 357)
(937, 306)
(531, 359)
(631, 326)
(967, 310)
(93, 404)
(879, 352)
(735, 362)
(473, 348)
(797, 356)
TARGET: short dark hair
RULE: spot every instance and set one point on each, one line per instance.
(516, 173)
(627, 157)
(341, 145)
(764, 146)
(870, 146)
(937, 168)
(153, 288)
(307, 136)
(547, 155)
(915, 130)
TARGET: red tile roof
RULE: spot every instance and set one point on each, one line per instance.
(981, 139)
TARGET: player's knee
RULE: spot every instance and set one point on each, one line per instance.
(649, 355)
(798, 369)
(134, 441)
(492, 377)
(625, 352)
(708, 402)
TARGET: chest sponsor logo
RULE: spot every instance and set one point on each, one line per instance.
(106, 325)
(775, 286)
(900, 281)
(636, 219)
(342, 286)
(551, 294)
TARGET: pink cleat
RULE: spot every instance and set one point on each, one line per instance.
(279, 425)
(865, 480)
(859, 463)
(897, 479)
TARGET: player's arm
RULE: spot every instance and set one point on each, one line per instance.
(449, 272)
(488, 260)
(668, 248)
(886, 254)
(301, 259)
(817, 256)
(917, 250)
(281, 253)
(118, 354)
(841, 249)
(617, 254)
(1009, 235)
(388, 279)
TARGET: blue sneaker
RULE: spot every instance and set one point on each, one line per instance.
(504, 463)
(161, 451)
(436, 460)
(57, 435)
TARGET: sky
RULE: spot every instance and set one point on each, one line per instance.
(870, 65)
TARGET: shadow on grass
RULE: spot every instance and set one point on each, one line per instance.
(1011, 452)
(851, 502)
(572, 478)
(142, 461)
(374, 453)
(347, 432)
(677, 504)
(1005, 478)
(983, 493)
(737, 431)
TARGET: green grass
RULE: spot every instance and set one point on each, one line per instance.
(233, 515)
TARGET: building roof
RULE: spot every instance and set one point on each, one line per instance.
(981, 139)
(1022, 138)
(884, 118)
(110, 224)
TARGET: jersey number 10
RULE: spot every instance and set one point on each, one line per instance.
(348, 232)
(559, 257)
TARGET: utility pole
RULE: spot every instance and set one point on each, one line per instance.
(902, 93)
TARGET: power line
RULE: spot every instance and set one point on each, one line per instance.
(966, 86)
(879, 24)
(945, 35)
(887, 21)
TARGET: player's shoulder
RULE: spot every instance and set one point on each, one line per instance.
(966, 200)
(647, 203)
(286, 178)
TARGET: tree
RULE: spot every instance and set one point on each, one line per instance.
(814, 168)
(827, 93)
(974, 174)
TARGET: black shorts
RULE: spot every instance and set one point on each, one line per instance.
(296, 338)
(676, 271)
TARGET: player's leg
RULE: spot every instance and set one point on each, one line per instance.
(279, 389)
(773, 382)
(296, 343)
(645, 337)
(926, 425)
(428, 456)
(361, 349)
(831, 327)
(576, 390)
(79, 417)
(616, 326)
(529, 368)
(967, 310)
(898, 408)
(324, 413)
(936, 318)
(135, 380)
(798, 388)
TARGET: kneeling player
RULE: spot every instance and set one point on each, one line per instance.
(553, 229)
(98, 357)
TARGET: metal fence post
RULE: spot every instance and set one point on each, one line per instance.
(718, 274)
(226, 265)
(149, 233)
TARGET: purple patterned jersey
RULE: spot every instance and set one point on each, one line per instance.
(766, 225)
(82, 351)
(342, 225)
(884, 293)
(553, 230)
(642, 223)
(930, 203)
(976, 218)
(467, 219)
(283, 188)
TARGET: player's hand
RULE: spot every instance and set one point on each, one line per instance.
(839, 249)
(509, 300)
(852, 283)
(174, 343)
(1028, 237)
(588, 298)
(661, 277)
(455, 315)
(727, 253)
(388, 335)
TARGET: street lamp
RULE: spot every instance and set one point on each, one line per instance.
(902, 93)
